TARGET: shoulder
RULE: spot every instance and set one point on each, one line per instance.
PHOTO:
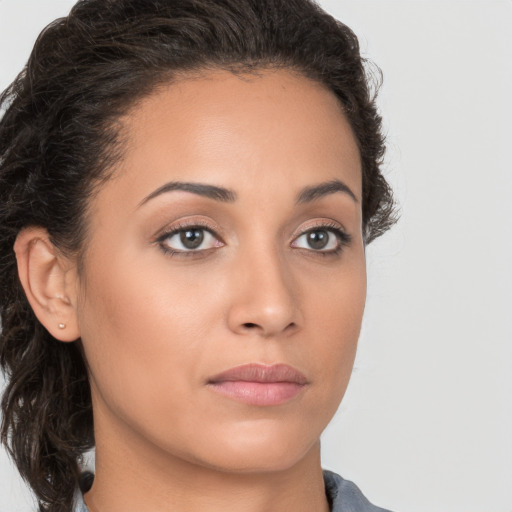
(345, 496)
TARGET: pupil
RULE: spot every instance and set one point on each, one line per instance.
(318, 239)
(192, 238)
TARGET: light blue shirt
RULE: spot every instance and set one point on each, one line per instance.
(344, 496)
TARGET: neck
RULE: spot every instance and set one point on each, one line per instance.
(132, 474)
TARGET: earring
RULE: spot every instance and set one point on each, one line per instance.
(62, 326)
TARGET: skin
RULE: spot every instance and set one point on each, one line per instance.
(157, 326)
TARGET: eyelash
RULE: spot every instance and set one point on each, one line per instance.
(342, 237)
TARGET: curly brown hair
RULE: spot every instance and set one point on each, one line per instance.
(59, 140)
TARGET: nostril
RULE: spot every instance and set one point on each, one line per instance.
(252, 325)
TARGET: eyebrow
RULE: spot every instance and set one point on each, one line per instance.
(306, 195)
(315, 192)
(211, 191)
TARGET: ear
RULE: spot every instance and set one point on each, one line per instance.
(50, 282)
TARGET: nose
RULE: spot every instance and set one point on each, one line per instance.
(265, 301)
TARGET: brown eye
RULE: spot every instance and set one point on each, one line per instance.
(327, 240)
(317, 239)
(189, 239)
(192, 238)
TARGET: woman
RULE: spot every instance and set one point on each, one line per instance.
(189, 187)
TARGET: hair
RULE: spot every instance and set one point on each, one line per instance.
(60, 139)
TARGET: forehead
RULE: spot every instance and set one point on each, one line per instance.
(253, 130)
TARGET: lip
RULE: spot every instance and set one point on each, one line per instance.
(259, 384)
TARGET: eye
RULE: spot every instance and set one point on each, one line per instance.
(189, 239)
(322, 239)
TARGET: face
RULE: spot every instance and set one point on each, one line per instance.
(224, 279)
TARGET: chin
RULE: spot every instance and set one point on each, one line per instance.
(262, 450)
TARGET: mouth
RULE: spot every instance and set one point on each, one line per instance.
(258, 384)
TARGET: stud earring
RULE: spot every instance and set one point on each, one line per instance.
(62, 326)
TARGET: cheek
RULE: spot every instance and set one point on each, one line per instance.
(335, 315)
(141, 329)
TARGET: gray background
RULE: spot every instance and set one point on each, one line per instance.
(426, 424)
